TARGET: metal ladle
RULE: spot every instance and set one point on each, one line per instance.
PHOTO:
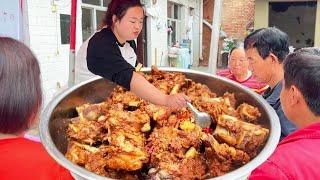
(202, 119)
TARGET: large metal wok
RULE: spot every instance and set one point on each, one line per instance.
(54, 119)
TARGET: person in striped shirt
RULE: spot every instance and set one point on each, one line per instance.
(238, 70)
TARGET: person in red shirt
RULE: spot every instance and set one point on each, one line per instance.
(297, 155)
(238, 70)
(20, 102)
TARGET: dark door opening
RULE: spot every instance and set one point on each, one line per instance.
(142, 45)
(297, 19)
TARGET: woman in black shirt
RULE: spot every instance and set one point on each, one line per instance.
(111, 53)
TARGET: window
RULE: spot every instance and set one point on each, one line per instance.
(92, 2)
(93, 12)
(87, 24)
(106, 3)
(174, 23)
(65, 28)
(99, 16)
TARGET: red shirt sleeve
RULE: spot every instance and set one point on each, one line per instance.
(268, 170)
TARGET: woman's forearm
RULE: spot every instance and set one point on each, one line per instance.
(145, 90)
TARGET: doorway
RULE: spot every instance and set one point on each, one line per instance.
(297, 19)
(142, 56)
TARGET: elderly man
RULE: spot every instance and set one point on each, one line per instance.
(297, 156)
(238, 70)
(266, 49)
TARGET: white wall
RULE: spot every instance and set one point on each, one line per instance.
(157, 38)
(45, 42)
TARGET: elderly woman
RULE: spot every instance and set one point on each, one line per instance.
(238, 70)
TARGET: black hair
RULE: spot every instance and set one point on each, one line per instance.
(119, 9)
(302, 69)
(20, 86)
(268, 40)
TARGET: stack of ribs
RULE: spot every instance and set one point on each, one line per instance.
(125, 137)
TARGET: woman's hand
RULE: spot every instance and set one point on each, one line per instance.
(145, 90)
(177, 100)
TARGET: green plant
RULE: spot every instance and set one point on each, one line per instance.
(228, 44)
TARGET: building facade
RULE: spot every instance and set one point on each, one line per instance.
(49, 22)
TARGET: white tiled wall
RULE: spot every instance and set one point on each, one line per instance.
(44, 30)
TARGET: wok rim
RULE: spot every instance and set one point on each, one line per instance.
(243, 171)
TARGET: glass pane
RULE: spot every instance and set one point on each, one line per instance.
(106, 3)
(169, 33)
(100, 16)
(173, 34)
(65, 28)
(176, 12)
(93, 2)
(87, 25)
(169, 10)
(178, 31)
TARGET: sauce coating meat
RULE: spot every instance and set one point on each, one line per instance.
(126, 137)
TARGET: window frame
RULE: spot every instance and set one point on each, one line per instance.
(178, 22)
(93, 9)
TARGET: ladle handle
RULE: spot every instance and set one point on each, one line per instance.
(193, 109)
